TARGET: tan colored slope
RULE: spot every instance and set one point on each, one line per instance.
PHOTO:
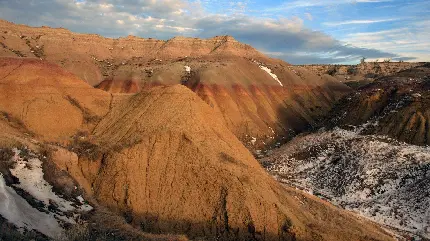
(252, 102)
(50, 102)
(170, 161)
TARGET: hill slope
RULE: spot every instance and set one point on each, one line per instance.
(50, 102)
(260, 98)
(178, 169)
(397, 106)
(254, 102)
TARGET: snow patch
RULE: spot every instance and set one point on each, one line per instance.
(81, 199)
(187, 69)
(28, 169)
(269, 71)
(30, 175)
(18, 212)
(253, 140)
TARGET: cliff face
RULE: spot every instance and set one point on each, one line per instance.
(261, 99)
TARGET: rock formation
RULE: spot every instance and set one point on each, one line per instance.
(90, 56)
(365, 70)
(260, 98)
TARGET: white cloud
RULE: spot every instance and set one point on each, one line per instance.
(410, 41)
(362, 21)
(318, 3)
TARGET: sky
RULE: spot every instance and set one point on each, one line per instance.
(297, 31)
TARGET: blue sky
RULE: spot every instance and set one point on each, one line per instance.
(298, 31)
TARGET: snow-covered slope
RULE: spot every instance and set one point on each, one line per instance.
(19, 212)
(378, 177)
(54, 211)
(30, 174)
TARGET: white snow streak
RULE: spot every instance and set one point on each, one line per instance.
(30, 175)
(269, 71)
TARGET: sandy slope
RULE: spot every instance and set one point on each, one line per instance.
(177, 168)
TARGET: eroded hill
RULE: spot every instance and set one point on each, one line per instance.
(165, 161)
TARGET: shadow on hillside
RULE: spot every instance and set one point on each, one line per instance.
(216, 229)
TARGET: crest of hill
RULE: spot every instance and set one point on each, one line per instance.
(89, 56)
(22, 38)
(50, 102)
(180, 170)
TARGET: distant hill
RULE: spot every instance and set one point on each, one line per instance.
(396, 105)
(364, 72)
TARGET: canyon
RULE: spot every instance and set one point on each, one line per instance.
(157, 140)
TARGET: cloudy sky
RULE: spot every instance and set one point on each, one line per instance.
(298, 31)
